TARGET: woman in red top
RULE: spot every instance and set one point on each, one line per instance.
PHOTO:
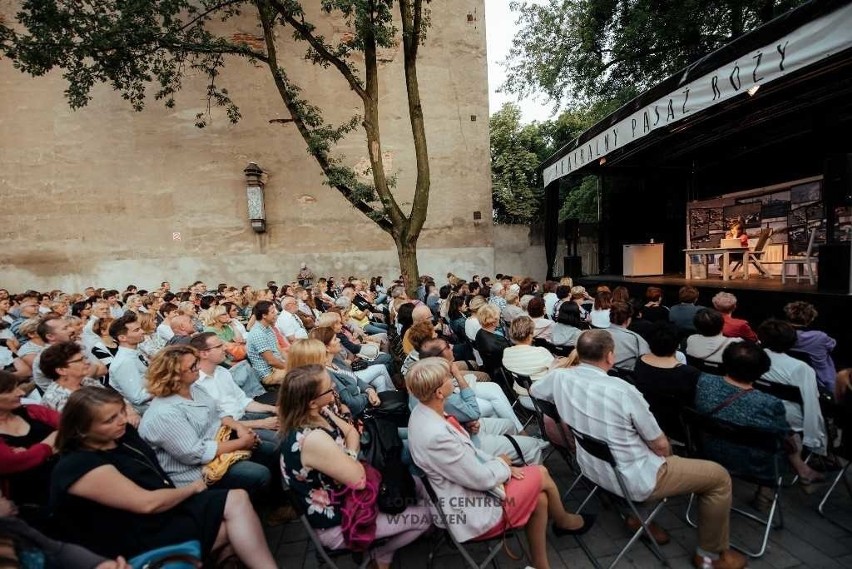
(27, 444)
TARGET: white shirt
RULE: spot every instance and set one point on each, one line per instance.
(290, 326)
(612, 410)
(532, 361)
(806, 419)
(543, 328)
(471, 327)
(549, 299)
(127, 376)
(221, 386)
(600, 318)
(708, 348)
(165, 332)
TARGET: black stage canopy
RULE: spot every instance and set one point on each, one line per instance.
(771, 107)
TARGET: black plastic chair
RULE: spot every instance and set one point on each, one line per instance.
(843, 417)
(702, 429)
(713, 368)
(789, 393)
(446, 534)
(600, 450)
(524, 381)
(624, 374)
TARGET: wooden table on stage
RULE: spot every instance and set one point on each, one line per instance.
(726, 259)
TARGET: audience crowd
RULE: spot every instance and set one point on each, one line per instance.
(131, 421)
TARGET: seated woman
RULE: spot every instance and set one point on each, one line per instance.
(815, 343)
(512, 309)
(525, 359)
(151, 343)
(110, 495)
(543, 325)
(489, 343)
(461, 475)
(599, 316)
(355, 393)
(352, 344)
(376, 376)
(28, 350)
(654, 309)
(103, 346)
(27, 444)
(319, 459)
(778, 338)
(732, 398)
(66, 366)
(568, 325)
(217, 319)
(659, 373)
(182, 422)
(709, 344)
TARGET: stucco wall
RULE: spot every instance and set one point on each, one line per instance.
(94, 196)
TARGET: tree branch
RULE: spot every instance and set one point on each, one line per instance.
(206, 13)
(287, 97)
(320, 48)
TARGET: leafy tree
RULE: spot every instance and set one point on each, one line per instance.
(604, 50)
(518, 150)
(145, 48)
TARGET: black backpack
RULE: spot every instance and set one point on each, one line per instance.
(382, 448)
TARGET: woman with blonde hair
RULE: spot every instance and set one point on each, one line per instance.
(182, 424)
(319, 460)
(461, 475)
(112, 496)
(152, 343)
(489, 343)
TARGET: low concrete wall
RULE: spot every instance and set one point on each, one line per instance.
(519, 251)
(254, 269)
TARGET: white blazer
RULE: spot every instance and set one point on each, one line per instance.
(460, 473)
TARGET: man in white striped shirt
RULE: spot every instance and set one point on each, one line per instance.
(612, 410)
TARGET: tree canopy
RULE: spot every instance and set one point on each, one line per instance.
(146, 48)
(590, 51)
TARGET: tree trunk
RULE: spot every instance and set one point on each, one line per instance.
(407, 253)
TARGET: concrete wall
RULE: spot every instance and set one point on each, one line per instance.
(519, 250)
(95, 196)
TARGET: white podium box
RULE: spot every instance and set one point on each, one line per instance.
(643, 259)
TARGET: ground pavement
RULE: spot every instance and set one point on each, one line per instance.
(806, 540)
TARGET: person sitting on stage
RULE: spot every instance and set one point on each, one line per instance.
(737, 231)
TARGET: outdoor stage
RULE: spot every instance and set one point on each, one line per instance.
(757, 299)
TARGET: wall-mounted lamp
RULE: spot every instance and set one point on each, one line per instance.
(254, 194)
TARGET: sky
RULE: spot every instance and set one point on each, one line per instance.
(500, 29)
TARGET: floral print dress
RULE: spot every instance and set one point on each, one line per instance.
(320, 492)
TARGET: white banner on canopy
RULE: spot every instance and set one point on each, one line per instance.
(816, 40)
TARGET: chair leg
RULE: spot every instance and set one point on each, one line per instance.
(646, 522)
(776, 507)
(688, 515)
(821, 508)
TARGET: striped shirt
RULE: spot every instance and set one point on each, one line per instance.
(182, 432)
(261, 338)
(612, 410)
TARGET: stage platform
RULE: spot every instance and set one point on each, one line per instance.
(758, 299)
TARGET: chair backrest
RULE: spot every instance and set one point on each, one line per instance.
(624, 374)
(810, 250)
(595, 447)
(789, 393)
(762, 239)
(705, 366)
(522, 380)
(562, 351)
(801, 356)
(703, 428)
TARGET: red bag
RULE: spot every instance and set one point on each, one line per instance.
(359, 511)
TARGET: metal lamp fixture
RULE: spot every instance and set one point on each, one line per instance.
(254, 195)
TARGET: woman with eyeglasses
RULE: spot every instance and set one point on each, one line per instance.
(319, 459)
(110, 494)
(182, 422)
(66, 365)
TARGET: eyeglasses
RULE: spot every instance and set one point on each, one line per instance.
(216, 347)
(326, 392)
(74, 360)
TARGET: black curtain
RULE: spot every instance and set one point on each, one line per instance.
(551, 225)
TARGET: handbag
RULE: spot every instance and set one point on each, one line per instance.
(368, 352)
(216, 469)
(359, 511)
(236, 351)
(186, 555)
(393, 408)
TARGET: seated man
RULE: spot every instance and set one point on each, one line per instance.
(128, 368)
(182, 330)
(218, 383)
(262, 345)
(613, 410)
(288, 323)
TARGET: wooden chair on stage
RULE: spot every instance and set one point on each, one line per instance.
(808, 261)
(756, 256)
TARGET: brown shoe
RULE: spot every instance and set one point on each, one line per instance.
(728, 559)
(281, 515)
(660, 535)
